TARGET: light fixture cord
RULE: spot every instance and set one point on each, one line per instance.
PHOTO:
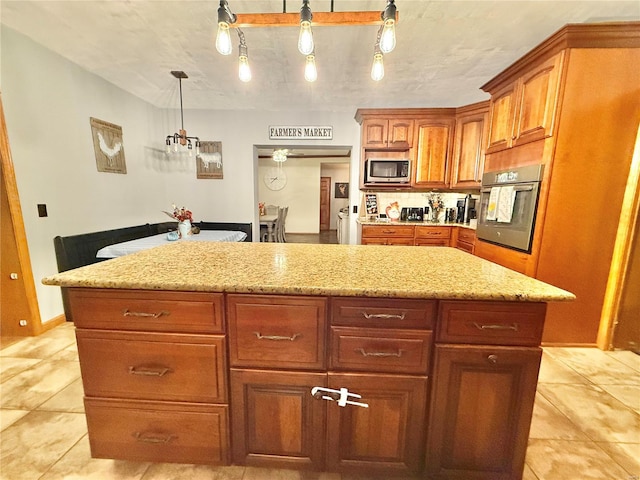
(181, 113)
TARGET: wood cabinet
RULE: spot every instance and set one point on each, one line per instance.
(155, 391)
(483, 391)
(469, 145)
(387, 234)
(393, 133)
(464, 239)
(433, 152)
(524, 110)
(433, 236)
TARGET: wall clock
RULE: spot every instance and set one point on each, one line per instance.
(275, 178)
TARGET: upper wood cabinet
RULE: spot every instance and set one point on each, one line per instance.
(468, 151)
(387, 133)
(522, 110)
(433, 152)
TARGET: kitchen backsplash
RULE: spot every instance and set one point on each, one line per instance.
(414, 199)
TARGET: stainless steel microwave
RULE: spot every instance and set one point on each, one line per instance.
(386, 170)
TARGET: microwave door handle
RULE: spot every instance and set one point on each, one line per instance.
(523, 188)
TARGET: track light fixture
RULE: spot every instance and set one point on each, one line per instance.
(181, 137)
(385, 42)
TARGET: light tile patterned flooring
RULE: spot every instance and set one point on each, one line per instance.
(586, 422)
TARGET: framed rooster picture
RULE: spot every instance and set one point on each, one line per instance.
(108, 147)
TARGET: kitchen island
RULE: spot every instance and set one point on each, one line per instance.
(208, 353)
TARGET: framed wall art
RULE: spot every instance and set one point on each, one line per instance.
(342, 190)
(209, 161)
(108, 146)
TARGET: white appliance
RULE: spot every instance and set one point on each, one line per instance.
(343, 225)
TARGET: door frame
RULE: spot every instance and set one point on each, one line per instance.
(25, 273)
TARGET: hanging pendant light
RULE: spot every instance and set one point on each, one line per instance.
(305, 39)
(377, 69)
(388, 38)
(310, 71)
(244, 71)
(181, 137)
(223, 36)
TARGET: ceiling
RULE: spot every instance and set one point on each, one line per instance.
(445, 49)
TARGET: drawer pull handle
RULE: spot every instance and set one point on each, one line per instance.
(127, 313)
(378, 354)
(151, 438)
(383, 315)
(277, 337)
(513, 327)
(388, 231)
(493, 359)
(149, 372)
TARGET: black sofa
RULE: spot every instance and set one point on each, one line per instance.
(79, 250)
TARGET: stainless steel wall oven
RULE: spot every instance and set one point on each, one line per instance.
(508, 204)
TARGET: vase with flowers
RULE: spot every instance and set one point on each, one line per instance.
(436, 204)
(184, 217)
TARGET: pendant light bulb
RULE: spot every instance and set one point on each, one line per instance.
(223, 39)
(244, 71)
(377, 70)
(388, 38)
(305, 40)
(310, 71)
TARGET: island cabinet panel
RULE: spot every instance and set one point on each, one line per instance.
(385, 437)
(380, 350)
(383, 312)
(277, 331)
(276, 421)
(154, 373)
(145, 431)
(480, 413)
(152, 366)
(188, 312)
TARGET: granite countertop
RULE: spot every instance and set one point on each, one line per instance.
(306, 269)
(366, 221)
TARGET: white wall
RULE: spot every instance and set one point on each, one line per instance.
(48, 101)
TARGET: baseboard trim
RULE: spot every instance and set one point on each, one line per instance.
(53, 323)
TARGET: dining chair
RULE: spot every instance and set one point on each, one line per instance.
(271, 209)
(280, 225)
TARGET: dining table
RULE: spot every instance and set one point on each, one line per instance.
(145, 243)
(269, 221)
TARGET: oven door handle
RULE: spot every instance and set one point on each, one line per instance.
(517, 188)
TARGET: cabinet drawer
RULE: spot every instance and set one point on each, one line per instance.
(467, 247)
(189, 312)
(433, 232)
(436, 242)
(158, 431)
(387, 230)
(277, 331)
(466, 235)
(380, 350)
(383, 312)
(491, 323)
(152, 366)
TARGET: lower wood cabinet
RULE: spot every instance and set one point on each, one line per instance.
(481, 405)
(277, 422)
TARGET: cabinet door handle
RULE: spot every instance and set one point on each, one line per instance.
(513, 327)
(384, 315)
(149, 372)
(277, 337)
(128, 313)
(379, 354)
(153, 438)
(492, 359)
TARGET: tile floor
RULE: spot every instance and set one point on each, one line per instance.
(586, 422)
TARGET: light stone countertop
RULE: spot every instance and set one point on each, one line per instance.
(307, 269)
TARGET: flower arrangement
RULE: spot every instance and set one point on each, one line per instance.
(436, 203)
(180, 214)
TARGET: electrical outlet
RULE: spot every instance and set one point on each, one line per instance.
(23, 323)
(42, 210)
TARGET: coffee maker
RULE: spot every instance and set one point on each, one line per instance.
(460, 210)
